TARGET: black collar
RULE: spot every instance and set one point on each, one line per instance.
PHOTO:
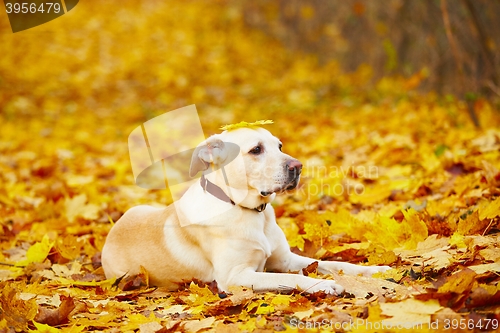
(217, 192)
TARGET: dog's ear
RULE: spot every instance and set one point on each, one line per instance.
(212, 151)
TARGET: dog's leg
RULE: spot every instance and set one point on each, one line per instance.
(284, 260)
(261, 281)
(243, 266)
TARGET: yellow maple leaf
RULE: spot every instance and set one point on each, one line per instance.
(458, 240)
(37, 252)
(410, 311)
(135, 320)
(378, 256)
(248, 326)
(490, 210)
(242, 124)
(417, 230)
(200, 295)
(371, 195)
(281, 300)
(76, 207)
(303, 314)
(395, 274)
(385, 230)
(393, 234)
(458, 282)
(264, 309)
(44, 328)
(69, 246)
(104, 284)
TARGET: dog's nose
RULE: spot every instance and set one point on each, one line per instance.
(294, 166)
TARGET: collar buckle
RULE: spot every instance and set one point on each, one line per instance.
(217, 192)
(261, 207)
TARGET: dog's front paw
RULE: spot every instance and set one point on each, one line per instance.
(370, 270)
(328, 286)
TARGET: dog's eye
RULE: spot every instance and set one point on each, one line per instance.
(256, 150)
(280, 146)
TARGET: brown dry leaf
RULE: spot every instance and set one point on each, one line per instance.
(312, 268)
(433, 252)
(481, 269)
(57, 316)
(361, 286)
(132, 282)
(484, 295)
(490, 254)
(151, 327)
(240, 295)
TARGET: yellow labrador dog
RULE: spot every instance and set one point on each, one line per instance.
(223, 228)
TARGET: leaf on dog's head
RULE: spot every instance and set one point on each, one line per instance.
(242, 124)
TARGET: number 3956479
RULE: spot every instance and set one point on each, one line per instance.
(32, 8)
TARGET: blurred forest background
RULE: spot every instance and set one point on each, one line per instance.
(453, 43)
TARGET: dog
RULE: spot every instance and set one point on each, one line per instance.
(223, 228)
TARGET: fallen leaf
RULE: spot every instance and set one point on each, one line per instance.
(410, 311)
(194, 326)
(37, 252)
(473, 224)
(484, 268)
(151, 327)
(484, 295)
(311, 268)
(17, 313)
(77, 206)
(44, 328)
(490, 210)
(459, 282)
(303, 314)
(57, 316)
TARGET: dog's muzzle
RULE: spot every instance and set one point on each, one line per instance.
(293, 169)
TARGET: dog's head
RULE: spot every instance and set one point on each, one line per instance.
(251, 158)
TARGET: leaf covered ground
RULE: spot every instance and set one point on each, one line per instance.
(390, 176)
